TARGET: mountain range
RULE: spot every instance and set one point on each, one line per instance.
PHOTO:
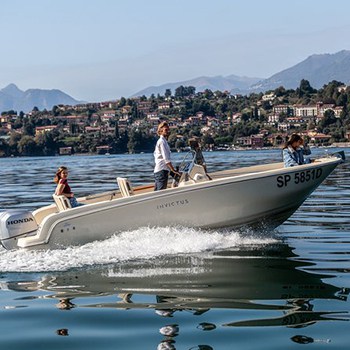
(12, 98)
(202, 83)
(317, 69)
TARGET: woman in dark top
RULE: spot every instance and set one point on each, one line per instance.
(61, 179)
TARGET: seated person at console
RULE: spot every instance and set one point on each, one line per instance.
(195, 146)
(294, 151)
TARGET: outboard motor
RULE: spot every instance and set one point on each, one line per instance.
(15, 223)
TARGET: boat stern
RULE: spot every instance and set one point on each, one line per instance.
(14, 224)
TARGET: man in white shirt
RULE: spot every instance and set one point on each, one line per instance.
(162, 158)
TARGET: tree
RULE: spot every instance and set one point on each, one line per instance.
(329, 93)
(4, 148)
(208, 94)
(180, 91)
(13, 142)
(207, 141)
(29, 127)
(180, 144)
(305, 89)
(280, 91)
(18, 123)
(27, 146)
(122, 102)
(116, 131)
(266, 105)
(167, 93)
(10, 112)
(183, 91)
(328, 119)
(140, 141)
(122, 142)
(342, 100)
(46, 143)
(55, 111)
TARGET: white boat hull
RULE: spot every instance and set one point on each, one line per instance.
(263, 196)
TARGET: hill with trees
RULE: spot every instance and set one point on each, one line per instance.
(220, 119)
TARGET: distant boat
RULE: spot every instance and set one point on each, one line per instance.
(257, 196)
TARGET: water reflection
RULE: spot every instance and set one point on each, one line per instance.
(303, 339)
(62, 332)
(296, 318)
(268, 279)
(65, 304)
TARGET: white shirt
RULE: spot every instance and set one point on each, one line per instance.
(161, 154)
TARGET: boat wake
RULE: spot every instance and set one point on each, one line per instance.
(140, 244)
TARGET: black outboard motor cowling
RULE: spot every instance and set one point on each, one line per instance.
(15, 223)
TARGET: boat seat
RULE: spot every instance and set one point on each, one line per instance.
(62, 202)
(198, 174)
(125, 187)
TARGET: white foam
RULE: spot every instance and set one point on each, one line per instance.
(144, 243)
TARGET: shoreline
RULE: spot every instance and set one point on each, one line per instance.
(245, 149)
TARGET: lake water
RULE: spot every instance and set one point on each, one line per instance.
(176, 287)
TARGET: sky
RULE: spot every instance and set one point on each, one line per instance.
(99, 50)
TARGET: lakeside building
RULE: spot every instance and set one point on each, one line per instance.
(319, 139)
(65, 151)
(42, 129)
(236, 118)
(144, 106)
(253, 141)
(269, 97)
(283, 126)
(306, 111)
(103, 149)
(164, 106)
(273, 118)
(7, 118)
(287, 110)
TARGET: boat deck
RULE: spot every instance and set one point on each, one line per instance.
(246, 170)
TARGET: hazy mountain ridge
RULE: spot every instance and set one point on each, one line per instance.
(202, 83)
(318, 69)
(12, 98)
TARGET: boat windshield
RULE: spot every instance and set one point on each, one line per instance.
(187, 162)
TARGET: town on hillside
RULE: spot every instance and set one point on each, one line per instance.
(222, 120)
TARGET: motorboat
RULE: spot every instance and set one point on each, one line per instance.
(257, 196)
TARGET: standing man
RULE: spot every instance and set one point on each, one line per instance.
(162, 158)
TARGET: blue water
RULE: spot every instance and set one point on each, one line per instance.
(176, 287)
